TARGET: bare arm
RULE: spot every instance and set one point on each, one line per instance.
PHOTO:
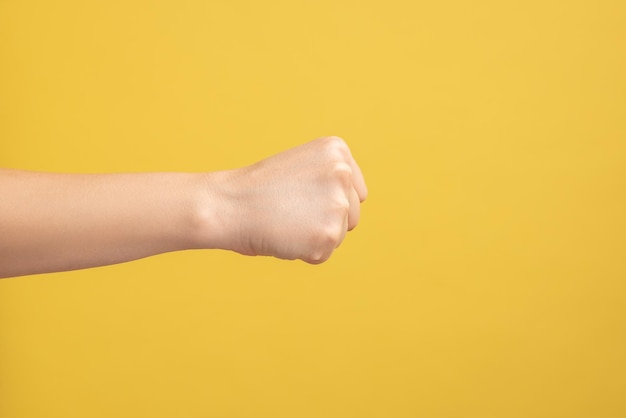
(296, 204)
(55, 222)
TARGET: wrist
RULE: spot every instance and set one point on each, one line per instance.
(211, 214)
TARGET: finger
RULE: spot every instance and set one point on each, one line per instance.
(354, 212)
(358, 181)
(344, 230)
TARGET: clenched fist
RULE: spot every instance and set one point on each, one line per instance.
(298, 204)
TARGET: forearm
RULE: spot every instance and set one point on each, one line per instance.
(56, 222)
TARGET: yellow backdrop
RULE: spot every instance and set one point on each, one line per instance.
(487, 278)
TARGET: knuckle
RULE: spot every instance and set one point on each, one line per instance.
(337, 209)
(333, 139)
(332, 237)
(343, 173)
(337, 147)
(343, 206)
(318, 256)
(317, 259)
(315, 262)
(324, 241)
(327, 238)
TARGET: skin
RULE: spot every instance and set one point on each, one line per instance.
(297, 204)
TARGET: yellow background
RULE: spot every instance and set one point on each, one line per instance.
(487, 278)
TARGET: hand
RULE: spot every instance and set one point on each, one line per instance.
(298, 204)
